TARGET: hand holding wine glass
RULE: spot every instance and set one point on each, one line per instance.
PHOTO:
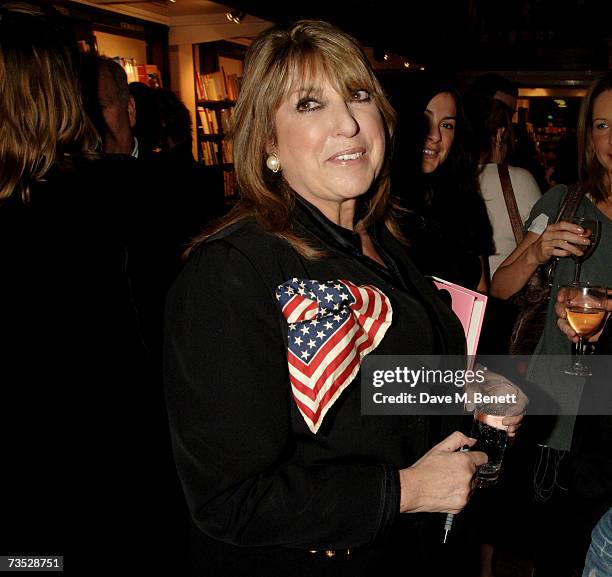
(585, 310)
(559, 239)
(562, 323)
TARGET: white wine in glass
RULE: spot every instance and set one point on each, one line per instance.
(584, 320)
(585, 307)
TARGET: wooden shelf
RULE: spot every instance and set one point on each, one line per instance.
(217, 73)
(206, 136)
(216, 103)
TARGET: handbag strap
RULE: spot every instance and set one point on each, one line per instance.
(571, 202)
(568, 208)
(511, 206)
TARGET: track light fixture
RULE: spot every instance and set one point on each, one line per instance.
(235, 16)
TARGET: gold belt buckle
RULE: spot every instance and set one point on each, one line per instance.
(331, 553)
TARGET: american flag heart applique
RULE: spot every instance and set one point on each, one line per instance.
(332, 326)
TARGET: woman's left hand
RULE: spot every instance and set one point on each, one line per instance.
(512, 423)
(562, 323)
(496, 384)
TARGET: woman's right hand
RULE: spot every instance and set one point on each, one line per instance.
(534, 250)
(558, 239)
(440, 481)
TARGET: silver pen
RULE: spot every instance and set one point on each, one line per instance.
(449, 517)
(447, 526)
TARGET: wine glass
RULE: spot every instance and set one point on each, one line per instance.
(585, 307)
(592, 230)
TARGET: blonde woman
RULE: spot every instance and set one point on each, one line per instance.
(280, 480)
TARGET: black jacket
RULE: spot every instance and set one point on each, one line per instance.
(255, 477)
(84, 427)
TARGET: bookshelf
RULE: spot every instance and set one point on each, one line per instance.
(217, 77)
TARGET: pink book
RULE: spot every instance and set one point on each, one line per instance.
(469, 306)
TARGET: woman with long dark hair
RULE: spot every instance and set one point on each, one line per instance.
(434, 172)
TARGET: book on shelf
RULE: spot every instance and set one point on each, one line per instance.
(212, 121)
(208, 120)
(210, 86)
(141, 72)
(210, 155)
(227, 151)
(229, 183)
(153, 76)
(226, 119)
(205, 154)
(233, 82)
(203, 118)
(214, 86)
(199, 86)
(217, 86)
(224, 85)
(469, 306)
(148, 74)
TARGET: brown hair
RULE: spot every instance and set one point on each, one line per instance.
(279, 61)
(43, 119)
(592, 175)
(489, 115)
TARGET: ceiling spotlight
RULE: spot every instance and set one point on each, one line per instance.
(235, 16)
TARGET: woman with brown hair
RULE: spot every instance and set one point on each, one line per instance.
(565, 480)
(546, 240)
(494, 135)
(268, 323)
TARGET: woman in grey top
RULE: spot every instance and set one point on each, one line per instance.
(544, 241)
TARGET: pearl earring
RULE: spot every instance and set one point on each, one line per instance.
(273, 163)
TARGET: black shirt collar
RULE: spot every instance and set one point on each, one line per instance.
(331, 235)
(321, 227)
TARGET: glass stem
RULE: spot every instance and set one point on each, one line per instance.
(577, 271)
(579, 352)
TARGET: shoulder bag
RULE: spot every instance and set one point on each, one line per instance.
(531, 302)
